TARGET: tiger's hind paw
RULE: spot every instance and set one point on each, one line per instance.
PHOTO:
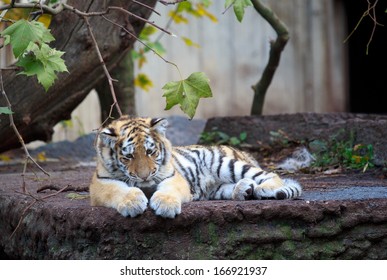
(165, 205)
(244, 189)
(291, 189)
(133, 204)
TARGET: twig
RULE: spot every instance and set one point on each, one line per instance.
(147, 6)
(373, 17)
(57, 188)
(110, 80)
(45, 8)
(138, 17)
(108, 9)
(139, 40)
(32, 204)
(168, 25)
(12, 124)
(229, 6)
(103, 13)
(171, 3)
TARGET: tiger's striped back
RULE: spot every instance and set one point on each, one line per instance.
(208, 168)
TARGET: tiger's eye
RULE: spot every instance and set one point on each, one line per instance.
(149, 152)
(127, 157)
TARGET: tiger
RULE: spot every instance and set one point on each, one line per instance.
(137, 165)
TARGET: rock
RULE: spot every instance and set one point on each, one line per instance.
(312, 228)
(339, 216)
(306, 127)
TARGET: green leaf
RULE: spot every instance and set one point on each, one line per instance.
(29, 45)
(5, 110)
(234, 141)
(147, 31)
(243, 136)
(142, 81)
(189, 42)
(155, 46)
(23, 32)
(43, 62)
(239, 7)
(51, 59)
(187, 93)
(32, 66)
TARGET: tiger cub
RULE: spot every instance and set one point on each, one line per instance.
(136, 164)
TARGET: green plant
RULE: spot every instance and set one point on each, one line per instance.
(359, 156)
(344, 153)
(29, 41)
(217, 137)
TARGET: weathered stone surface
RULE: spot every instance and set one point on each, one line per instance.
(366, 129)
(61, 228)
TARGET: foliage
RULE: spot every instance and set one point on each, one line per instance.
(187, 92)
(239, 7)
(332, 152)
(29, 37)
(344, 153)
(142, 81)
(29, 41)
(217, 137)
(5, 110)
(149, 44)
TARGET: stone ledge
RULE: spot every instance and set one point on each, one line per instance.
(313, 228)
(367, 129)
(342, 216)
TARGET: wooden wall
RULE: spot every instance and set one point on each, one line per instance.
(311, 75)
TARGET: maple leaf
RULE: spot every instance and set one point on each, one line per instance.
(187, 93)
(23, 32)
(239, 7)
(43, 62)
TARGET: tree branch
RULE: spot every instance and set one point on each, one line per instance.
(12, 124)
(32, 204)
(146, 6)
(172, 2)
(277, 47)
(45, 8)
(370, 8)
(110, 80)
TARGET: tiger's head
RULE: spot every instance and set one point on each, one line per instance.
(134, 149)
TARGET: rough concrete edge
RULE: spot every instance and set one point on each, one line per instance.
(293, 229)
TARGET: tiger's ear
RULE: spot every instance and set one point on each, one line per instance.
(160, 125)
(108, 136)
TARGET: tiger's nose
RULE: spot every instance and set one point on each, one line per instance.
(144, 175)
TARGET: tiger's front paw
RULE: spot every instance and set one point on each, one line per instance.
(133, 203)
(244, 189)
(165, 205)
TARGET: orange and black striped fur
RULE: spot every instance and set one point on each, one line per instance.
(138, 166)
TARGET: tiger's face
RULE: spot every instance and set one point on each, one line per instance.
(135, 146)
